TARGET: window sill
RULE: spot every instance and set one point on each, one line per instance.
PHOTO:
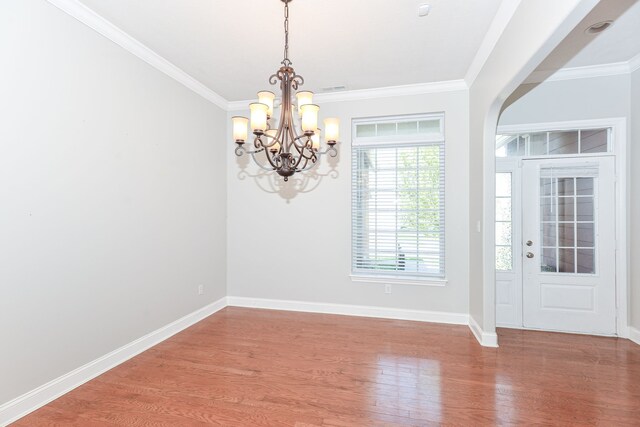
(411, 281)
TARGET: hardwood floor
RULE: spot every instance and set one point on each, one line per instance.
(247, 367)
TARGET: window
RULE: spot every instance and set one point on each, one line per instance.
(398, 197)
(504, 222)
(566, 142)
(568, 227)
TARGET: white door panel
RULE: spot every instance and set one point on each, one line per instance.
(569, 245)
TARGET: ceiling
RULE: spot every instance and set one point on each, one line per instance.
(619, 43)
(233, 46)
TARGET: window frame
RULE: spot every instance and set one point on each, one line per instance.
(377, 142)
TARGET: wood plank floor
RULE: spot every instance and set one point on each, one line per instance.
(247, 367)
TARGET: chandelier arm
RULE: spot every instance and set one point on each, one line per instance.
(313, 165)
(330, 151)
(260, 165)
(274, 138)
(303, 167)
(273, 163)
(302, 156)
(240, 150)
(302, 145)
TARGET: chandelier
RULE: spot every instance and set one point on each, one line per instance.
(292, 144)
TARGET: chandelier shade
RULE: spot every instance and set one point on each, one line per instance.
(292, 142)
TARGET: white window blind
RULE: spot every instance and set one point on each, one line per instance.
(398, 197)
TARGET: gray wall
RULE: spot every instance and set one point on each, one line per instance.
(112, 187)
(583, 99)
(635, 199)
(311, 232)
(579, 99)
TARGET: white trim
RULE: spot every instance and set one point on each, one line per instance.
(96, 22)
(28, 402)
(351, 310)
(500, 21)
(586, 72)
(390, 280)
(634, 63)
(634, 335)
(565, 125)
(623, 214)
(375, 93)
(486, 339)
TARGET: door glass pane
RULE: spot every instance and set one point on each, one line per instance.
(586, 261)
(586, 235)
(503, 209)
(566, 186)
(566, 235)
(503, 184)
(585, 208)
(549, 260)
(567, 222)
(547, 209)
(504, 261)
(546, 188)
(549, 234)
(584, 186)
(504, 232)
(566, 208)
(566, 262)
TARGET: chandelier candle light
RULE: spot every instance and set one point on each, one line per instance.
(293, 143)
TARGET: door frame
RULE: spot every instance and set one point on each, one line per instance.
(619, 148)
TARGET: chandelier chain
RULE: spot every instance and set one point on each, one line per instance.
(286, 62)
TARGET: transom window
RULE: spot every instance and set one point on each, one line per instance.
(554, 143)
(398, 197)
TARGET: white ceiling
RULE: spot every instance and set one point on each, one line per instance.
(619, 43)
(233, 46)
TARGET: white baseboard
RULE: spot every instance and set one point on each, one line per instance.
(351, 310)
(28, 402)
(634, 335)
(486, 339)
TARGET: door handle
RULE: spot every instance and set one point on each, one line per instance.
(530, 255)
(529, 243)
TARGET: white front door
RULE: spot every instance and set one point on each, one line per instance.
(569, 245)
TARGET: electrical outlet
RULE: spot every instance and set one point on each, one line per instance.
(200, 290)
(387, 289)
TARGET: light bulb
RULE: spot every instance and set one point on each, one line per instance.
(310, 117)
(240, 131)
(304, 98)
(332, 129)
(258, 117)
(267, 98)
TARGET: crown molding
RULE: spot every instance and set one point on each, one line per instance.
(590, 71)
(96, 22)
(500, 21)
(375, 93)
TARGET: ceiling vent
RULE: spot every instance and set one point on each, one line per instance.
(333, 89)
(599, 27)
